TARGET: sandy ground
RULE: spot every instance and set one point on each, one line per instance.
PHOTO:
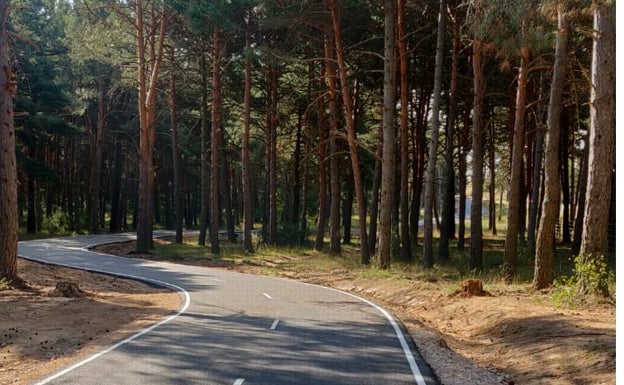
(41, 332)
(511, 337)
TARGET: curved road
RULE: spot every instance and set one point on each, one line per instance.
(236, 329)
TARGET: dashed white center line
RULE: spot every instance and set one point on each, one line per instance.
(266, 295)
(239, 381)
(274, 325)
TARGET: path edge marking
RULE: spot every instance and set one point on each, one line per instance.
(181, 291)
(418, 376)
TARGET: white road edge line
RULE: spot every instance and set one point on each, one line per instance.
(187, 302)
(406, 349)
(274, 325)
(420, 380)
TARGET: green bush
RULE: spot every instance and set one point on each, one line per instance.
(593, 274)
(57, 223)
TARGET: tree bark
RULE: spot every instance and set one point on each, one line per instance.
(419, 153)
(538, 154)
(580, 203)
(204, 215)
(545, 244)
(149, 59)
(246, 171)
(447, 224)
(374, 207)
(388, 163)
(322, 172)
(515, 193)
(347, 209)
(565, 181)
(175, 154)
(427, 257)
(272, 103)
(404, 225)
(348, 108)
(215, 207)
(294, 213)
(492, 184)
(98, 156)
(601, 144)
(8, 163)
(462, 168)
(478, 126)
(225, 173)
(334, 186)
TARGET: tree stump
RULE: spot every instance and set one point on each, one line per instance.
(472, 287)
(68, 290)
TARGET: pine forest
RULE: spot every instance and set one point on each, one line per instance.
(414, 130)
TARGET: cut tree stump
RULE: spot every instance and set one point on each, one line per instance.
(470, 288)
(68, 290)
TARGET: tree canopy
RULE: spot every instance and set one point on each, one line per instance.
(282, 116)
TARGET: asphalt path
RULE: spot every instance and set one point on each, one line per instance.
(236, 329)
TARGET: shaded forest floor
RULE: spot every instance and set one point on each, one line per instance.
(514, 336)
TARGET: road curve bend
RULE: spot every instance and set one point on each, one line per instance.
(236, 329)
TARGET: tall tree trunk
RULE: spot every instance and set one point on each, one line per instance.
(478, 126)
(302, 227)
(601, 144)
(419, 153)
(374, 208)
(273, 78)
(175, 153)
(204, 215)
(149, 69)
(334, 177)
(307, 143)
(215, 151)
(294, 214)
(545, 244)
(565, 181)
(98, 155)
(388, 162)
(515, 194)
(8, 164)
(404, 225)
(462, 168)
(246, 171)
(580, 203)
(347, 209)
(321, 222)
(348, 108)
(226, 190)
(492, 184)
(427, 257)
(447, 224)
(538, 153)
